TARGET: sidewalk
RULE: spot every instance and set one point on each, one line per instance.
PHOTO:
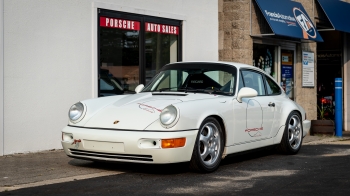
(50, 167)
(318, 138)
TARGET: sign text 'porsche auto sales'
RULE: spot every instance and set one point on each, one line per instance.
(119, 23)
(161, 28)
(135, 25)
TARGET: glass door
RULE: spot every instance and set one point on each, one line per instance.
(287, 72)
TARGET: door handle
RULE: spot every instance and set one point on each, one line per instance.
(271, 104)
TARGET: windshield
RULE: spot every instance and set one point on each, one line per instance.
(195, 77)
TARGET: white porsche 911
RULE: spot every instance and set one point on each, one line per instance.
(197, 112)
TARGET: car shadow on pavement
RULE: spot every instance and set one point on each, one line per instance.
(249, 155)
(179, 168)
(165, 169)
(315, 170)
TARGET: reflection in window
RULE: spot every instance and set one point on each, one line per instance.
(161, 48)
(128, 56)
(264, 58)
(254, 80)
(104, 86)
(119, 58)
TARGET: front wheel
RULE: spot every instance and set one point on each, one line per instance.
(293, 135)
(207, 152)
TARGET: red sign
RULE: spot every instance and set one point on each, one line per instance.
(161, 28)
(119, 23)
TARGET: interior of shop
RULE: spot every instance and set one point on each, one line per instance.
(329, 67)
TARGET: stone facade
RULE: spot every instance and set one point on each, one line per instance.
(236, 44)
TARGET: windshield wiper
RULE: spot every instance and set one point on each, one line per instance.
(164, 89)
(186, 89)
(209, 90)
(214, 90)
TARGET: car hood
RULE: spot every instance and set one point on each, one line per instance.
(136, 112)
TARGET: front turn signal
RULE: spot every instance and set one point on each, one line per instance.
(173, 143)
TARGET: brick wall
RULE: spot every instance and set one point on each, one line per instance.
(235, 43)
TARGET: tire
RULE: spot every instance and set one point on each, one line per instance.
(293, 135)
(208, 149)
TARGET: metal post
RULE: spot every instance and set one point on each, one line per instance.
(338, 107)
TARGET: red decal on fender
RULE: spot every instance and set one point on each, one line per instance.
(148, 108)
(254, 129)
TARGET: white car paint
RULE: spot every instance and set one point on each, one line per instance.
(248, 123)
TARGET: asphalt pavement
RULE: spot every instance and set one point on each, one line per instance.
(42, 172)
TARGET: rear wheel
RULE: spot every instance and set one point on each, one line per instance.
(207, 152)
(293, 135)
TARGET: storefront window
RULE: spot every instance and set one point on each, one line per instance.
(133, 48)
(119, 55)
(329, 67)
(161, 45)
(264, 58)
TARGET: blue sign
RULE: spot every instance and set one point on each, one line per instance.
(338, 14)
(287, 71)
(289, 18)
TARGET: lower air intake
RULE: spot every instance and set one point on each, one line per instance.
(111, 156)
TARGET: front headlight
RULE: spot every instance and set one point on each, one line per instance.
(169, 116)
(76, 112)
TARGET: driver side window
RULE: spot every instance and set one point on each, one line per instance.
(254, 80)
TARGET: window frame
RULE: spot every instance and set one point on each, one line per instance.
(142, 54)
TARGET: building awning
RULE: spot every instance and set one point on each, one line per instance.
(288, 19)
(337, 14)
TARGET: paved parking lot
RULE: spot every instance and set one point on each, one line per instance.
(321, 164)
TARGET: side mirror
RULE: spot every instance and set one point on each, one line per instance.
(139, 88)
(246, 92)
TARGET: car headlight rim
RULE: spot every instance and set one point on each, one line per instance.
(169, 116)
(76, 112)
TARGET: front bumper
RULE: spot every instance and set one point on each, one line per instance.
(126, 146)
(306, 127)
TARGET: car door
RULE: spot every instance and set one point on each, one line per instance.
(274, 91)
(259, 110)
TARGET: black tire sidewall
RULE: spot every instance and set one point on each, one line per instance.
(196, 157)
(289, 149)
